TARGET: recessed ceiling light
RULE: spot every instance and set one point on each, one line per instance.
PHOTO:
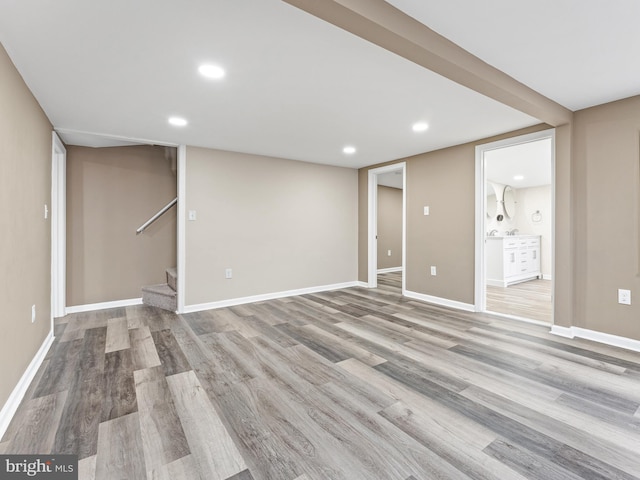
(518, 177)
(211, 71)
(420, 127)
(349, 150)
(177, 121)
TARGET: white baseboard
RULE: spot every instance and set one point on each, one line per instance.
(547, 277)
(390, 270)
(445, 302)
(566, 332)
(268, 296)
(520, 319)
(12, 403)
(361, 284)
(104, 305)
(600, 337)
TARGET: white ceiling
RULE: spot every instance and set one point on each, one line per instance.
(530, 160)
(391, 179)
(297, 87)
(579, 53)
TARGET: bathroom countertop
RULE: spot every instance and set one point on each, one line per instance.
(524, 235)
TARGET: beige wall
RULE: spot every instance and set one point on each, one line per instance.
(25, 241)
(445, 182)
(110, 193)
(279, 224)
(607, 211)
(389, 227)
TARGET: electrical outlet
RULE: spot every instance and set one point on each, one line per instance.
(433, 271)
(624, 296)
(33, 313)
(228, 273)
(388, 253)
(192, 215)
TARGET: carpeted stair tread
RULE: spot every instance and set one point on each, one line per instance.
(162, 289)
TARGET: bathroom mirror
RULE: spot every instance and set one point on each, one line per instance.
(491, 205)
(509, 201)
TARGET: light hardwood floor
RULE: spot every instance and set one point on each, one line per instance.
(530, 300)
(349, 384)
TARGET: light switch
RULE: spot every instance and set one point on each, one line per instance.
(192, 215)
(433, 270)
(388, 253)
(426, 210)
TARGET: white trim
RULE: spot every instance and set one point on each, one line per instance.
(90, 307)
(390, 270)
(58, 227)
(361, 284)
(480, 285)
(519, 319)
(562, 331)
(372, 217)
(445, 302)
(181, 233)
(269, 296)
(600, 337)
(142, 141)
(547, 277)
(12, 403)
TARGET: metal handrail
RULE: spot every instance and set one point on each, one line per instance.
(162, 211)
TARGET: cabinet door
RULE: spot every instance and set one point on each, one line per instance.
(534, 259)
(511, 262)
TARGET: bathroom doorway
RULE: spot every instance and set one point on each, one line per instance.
(514, 274)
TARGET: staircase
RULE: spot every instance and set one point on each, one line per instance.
(163, 295)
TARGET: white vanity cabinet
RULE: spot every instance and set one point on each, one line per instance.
(512, 259)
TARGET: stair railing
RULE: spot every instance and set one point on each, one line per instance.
(162, 211)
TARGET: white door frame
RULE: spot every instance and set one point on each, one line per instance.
(181, 226)
(58, 227)
(372, 249)
(480, 263)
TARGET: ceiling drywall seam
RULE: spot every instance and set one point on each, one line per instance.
(384, 25)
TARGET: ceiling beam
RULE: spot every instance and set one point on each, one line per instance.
(384, 25)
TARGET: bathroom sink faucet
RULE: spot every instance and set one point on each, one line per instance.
(493, 232)
(514, 231)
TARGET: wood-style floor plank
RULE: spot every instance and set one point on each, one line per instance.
(120, 449)
(78, 429)
(163, 439)
(87, 468)
(348, 384)
(215, 452)
(143, 349)
(117, 335)
(39, 434)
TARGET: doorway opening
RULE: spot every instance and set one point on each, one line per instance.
(58, 227)
(515, 227)
(387, 227)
